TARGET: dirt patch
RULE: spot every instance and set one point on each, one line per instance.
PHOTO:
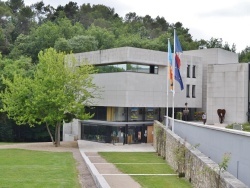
(84, 175)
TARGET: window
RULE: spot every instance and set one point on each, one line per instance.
(152, 69)
(194, 72)
(187, 94)
(193, 91)
(188, 71)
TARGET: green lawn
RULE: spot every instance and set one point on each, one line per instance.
(5, 143)
(245, 127)
(142, 163)
(29, 169)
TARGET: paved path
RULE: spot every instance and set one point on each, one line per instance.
(106, 174)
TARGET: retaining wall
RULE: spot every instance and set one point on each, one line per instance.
(199, 169)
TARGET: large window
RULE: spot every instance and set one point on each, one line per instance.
(194, 76)
(188, 71)
(187, 91)
(151, 113)
(152, 69)
(193, 91)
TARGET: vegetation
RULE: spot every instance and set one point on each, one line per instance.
(245, 126)
(179, 115)
(222, 166)
(151, 163)
(55, 92)
(198, 115)
(161, 142)
(27, 30)
(23, 168)
(180, 155)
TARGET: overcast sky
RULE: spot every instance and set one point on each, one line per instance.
(226, 19)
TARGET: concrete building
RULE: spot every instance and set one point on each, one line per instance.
(134, 89)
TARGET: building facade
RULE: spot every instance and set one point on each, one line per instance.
(134, 91)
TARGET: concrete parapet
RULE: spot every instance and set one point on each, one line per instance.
(199, 169)
(98, 178)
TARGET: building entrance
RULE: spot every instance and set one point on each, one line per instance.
(117, 132)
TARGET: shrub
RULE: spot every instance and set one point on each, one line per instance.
(179, 115)
(198, 116)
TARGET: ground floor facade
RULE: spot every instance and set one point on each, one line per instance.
(123, 125)
(117, 132)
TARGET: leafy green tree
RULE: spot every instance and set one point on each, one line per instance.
(8, 68)
(244, 56)
(83, 44)
(59, 91)
(6, 28)
(23, 46)
(62, 45)
(129, 40)
(104, 37)
(214, 43)
(44, 37)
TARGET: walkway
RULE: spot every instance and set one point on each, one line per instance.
(105, 174)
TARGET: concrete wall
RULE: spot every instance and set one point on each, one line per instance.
(215, 142)
(130, 89)
(212, 56)
(124, 54)
(72, 130)
(199, 169)
(227, 88)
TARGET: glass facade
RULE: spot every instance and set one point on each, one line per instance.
(128, 134)
(128, 67)
(127, 125)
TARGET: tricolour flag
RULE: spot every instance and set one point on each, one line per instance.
(170, 66)
(178, 50)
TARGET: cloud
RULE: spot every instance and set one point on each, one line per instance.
(240, 9)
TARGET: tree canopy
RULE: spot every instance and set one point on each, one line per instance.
(26, 30)
(59, 90)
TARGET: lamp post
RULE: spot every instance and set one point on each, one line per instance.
(186, 112)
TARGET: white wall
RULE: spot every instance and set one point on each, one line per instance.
(214, 142)
(129, 89)
(227, 88)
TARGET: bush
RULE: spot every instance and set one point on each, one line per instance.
(179, 115)
(198, 116)
(245, 126)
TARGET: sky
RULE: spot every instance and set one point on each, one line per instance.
(226, 19)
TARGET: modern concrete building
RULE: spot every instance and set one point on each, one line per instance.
(134, 89)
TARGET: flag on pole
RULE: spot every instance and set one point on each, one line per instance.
(178, 50)
(170, 66)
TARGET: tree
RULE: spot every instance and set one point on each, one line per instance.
(244, 56)
(8, 67)
(62, 45)
(58, 91)
(83, 44)
(104, 37)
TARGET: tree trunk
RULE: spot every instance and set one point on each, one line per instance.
(57, 134)
(51, 137)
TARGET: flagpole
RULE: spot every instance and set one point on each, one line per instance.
(168, 77)
(173, 65)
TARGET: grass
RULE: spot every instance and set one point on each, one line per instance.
(245, 127)
(142, 163)
(6, 143)
(29, 169)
